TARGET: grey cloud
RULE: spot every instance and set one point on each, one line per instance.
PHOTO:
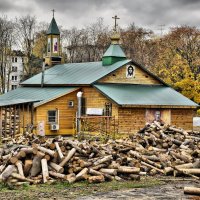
(148, 13)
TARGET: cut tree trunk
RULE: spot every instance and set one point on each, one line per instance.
(68, 157)
(96, 179)
(45, 171)
(192, 190)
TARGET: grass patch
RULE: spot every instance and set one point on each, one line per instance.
(66, 190)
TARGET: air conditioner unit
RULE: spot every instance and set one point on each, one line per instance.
(54, 127)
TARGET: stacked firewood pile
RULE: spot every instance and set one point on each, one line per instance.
(154, 150)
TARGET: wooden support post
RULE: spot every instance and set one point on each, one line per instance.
(10, 121)
(1, 128)
(19, 119)
(32, 113)
(23, 118)
(14, 121)
(28, 118)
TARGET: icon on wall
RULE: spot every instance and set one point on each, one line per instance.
(55, 45)
(130, 71)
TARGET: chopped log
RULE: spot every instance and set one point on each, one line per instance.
(128, 170)
(190, 171)
(47, 157)
(148, 165)
(45, 171)
(137, 155)
(36, 166)
(96, 179)
(68, 157)
(179, 156)
(27, 167)
(184, 172)
(77, 148)
(168, 171)
(112, 172)
(192, 190)
(103, 160)
(82, 174)
(97, 167)
(27, 150)
(85, 164)
(2, 167)
(71, 178)
(59, 150)
(6, 157)
(94, 172)
(7, 172)
(19, 167)
(185, 166)
(58, 175)
(56, 167)
(40, 154)
(22, 178)
(44, 150)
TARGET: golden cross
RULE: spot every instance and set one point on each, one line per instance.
(115, 18)
(53, 12)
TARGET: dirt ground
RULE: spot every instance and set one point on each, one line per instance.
(146, 189)
(169, 191)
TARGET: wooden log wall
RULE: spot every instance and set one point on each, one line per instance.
(182, 118)
(95, 99)
(131, 119)
(66, 114)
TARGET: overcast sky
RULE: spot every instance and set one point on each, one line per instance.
(146, 13)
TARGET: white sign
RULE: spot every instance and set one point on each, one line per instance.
(196, 121)
(41, 128)
(94, 111)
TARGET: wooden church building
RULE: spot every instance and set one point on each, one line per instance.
(114, 87)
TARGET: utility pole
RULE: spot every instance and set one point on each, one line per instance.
(161, 29)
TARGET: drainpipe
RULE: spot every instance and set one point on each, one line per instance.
(43, 69)
(79, 96)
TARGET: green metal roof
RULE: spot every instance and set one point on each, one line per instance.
(53, 28)
(74, 73)
(157, 95)
(114, 50)
(33, 94)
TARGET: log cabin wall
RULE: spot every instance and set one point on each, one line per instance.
(182, 118)
(66, 114)
(119, 76)
(95, 99)
(131, 119)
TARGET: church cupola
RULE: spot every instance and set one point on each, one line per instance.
(53, 53)
(114, 53)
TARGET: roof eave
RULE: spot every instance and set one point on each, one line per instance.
(46, 101)
(158, 106)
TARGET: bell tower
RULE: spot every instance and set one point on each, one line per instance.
(53, 51)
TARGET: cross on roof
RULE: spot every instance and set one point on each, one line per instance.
(115, 18)
(53, 12)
